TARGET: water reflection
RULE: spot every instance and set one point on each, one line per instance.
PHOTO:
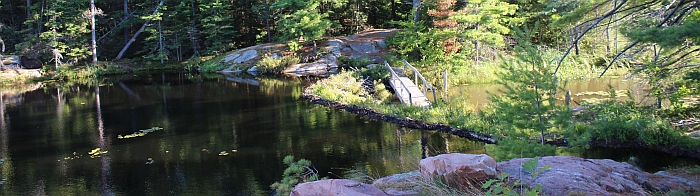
(53, 128)
(477, 94)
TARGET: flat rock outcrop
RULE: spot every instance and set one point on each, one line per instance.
(578, 176)
(336, 187)
(459, 170)
(566, 176)
(370, 45)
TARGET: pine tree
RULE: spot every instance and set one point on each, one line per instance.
(217, 26)
(153, 46)
(484, 22)
(69, 29)
(526, 106)
(303, 21)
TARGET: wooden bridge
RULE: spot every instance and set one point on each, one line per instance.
(407, 91)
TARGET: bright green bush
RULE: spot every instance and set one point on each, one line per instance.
(352, 62)
(296, 172)
(379, 72)
(275, 65)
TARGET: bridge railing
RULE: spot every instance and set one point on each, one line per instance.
(417, 75)
(404, 88)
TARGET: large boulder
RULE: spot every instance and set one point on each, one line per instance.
(459, 170)
(10, 61)
(578, 176)
(336, 187)
(30, 63)
(404, 184)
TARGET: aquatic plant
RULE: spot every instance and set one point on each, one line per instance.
(140, 133)
(96, 153)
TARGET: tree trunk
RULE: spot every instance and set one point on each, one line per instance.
(160, 42)
(92, 27)
(126, 15)
(41, 16)
(576, 48)
(192, 32)
(29, 15)
(267, 21)
(121, 53)
(416, 15)
(476, 49)
(393, 10)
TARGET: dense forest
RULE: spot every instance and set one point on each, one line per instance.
(470, 39)
(175, 30)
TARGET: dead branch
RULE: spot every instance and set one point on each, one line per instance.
(117, 26)
(610, 13)
(133, 38)
(660, 24)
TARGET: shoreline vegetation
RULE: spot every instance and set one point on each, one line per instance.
(632, 128)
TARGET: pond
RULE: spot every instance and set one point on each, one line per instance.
(220, 136)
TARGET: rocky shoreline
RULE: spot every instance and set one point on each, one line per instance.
(558, 175)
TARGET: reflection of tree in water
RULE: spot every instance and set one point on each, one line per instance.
(434, 143)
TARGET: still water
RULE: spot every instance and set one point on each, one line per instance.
(47, 132)
(46, 135)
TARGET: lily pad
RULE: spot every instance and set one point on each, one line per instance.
(96, 153)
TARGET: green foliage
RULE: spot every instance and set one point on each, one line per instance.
(500, 186)
(488, 22)
(668, 36)
(531, 166)
(275, 65)
(217, 26)
(67, 31)
(615, 121)
(294, 46)
(193, 63)
(301, 20)
(296, 172)
(515, 146)
(343, 87)
(526, 106)
(352, 62)
(378, 72)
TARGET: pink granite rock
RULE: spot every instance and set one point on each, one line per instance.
(336, 187)
(405, 184)
(459, 170)
(578, 176)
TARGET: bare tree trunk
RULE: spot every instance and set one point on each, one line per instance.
(29, 15)
(41, 16)
(267, 21)
(160, 42)
(576, 48)
(615, 26)
(126, 15)
(92, 27)
(393, 10)
(193, 31)
(121, 53)
(476, 49)
(416, 15)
